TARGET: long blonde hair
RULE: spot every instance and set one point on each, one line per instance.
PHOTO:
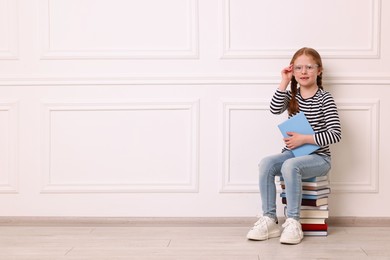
(293, 106)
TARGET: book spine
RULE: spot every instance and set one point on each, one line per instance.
(307, 196)
(314, 227)
(306, 202)
(313, 192)
(307, 213)
(315, 233)
(313, 179)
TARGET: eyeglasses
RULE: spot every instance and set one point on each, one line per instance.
(309, 67)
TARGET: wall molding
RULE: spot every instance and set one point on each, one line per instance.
(377, 80)
(192, 106)
(372, 52)
(11, 52)
(189, 52)
(371, 186)
(369, 105)
(11, 186)
(226, 185)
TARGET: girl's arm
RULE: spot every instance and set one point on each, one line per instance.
(332, 134)
(280, 99)
(279, 102)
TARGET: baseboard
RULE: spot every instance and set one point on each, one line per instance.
(359, 221)
(175, 221)
(127, 221)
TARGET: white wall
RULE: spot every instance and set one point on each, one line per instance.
(160, 108)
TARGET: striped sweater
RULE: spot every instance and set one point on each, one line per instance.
(321, 112)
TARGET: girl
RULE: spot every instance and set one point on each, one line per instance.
(320, 109)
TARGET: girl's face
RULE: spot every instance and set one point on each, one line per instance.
(305, 71)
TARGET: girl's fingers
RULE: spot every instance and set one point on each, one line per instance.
(288, 69)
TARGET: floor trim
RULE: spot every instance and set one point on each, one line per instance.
(175, 221)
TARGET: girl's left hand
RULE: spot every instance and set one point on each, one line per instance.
(294, 140)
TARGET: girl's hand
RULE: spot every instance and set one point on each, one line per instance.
(295, 140)
(287, 74)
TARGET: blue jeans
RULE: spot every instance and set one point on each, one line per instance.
(294, 170)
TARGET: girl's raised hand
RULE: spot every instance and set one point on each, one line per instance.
(287, 73)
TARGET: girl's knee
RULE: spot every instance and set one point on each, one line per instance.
(289, 168)
(268, 167)
(290, 165)
(265, 164)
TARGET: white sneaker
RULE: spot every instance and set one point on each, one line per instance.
(292, 232)
(263, 229)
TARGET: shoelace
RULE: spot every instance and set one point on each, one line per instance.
(261, 222)
(291, 225)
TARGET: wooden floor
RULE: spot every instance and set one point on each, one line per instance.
(183, 242)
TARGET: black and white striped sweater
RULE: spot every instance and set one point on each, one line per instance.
(321, 112)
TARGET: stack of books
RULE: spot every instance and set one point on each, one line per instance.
(314, 206)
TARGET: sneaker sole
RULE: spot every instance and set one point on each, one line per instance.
(290, 242)
(271, 235)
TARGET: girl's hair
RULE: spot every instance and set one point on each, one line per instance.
(293, 106)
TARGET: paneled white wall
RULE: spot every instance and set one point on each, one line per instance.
(121, 147)
(161, 108)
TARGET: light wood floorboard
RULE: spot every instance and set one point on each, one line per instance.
(184, 243)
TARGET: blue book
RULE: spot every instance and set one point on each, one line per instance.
(312, 179)
(316, 179)
(307, 196)
(299, 124)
